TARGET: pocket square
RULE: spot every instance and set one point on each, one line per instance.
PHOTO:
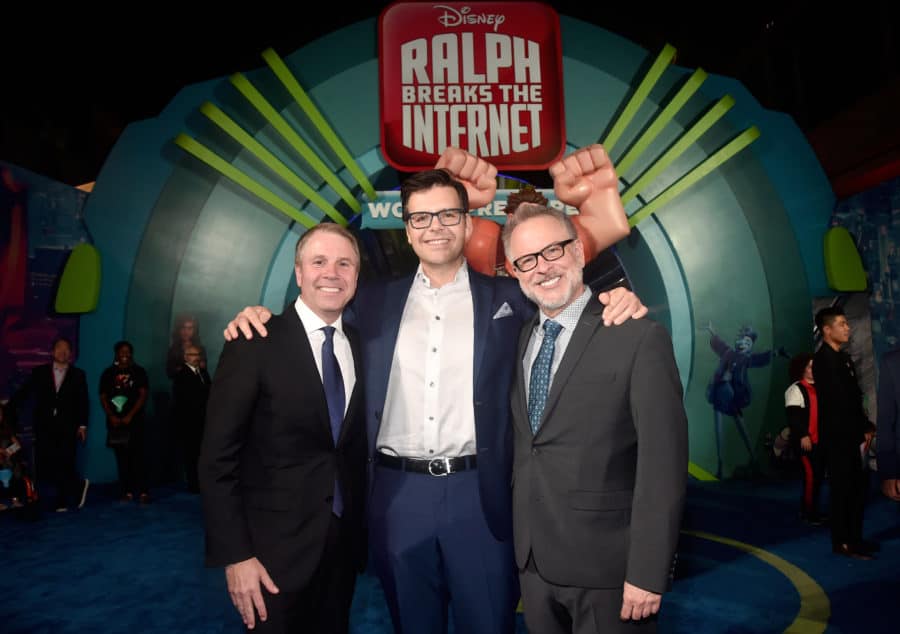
(503, 311)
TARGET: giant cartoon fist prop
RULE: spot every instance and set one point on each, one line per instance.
(585, 179)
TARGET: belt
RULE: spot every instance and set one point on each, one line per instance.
(433, 466)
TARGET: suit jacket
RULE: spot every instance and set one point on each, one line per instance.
(598, 492)
(268, 462)
(887, 443)
(57, 415)
(378, 309)
(190, 394)
(842, 419)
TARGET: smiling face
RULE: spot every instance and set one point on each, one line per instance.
(744, 343)
(550, 285)
(438, 247)
(327, 269)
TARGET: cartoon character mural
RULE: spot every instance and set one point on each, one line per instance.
(729, 390)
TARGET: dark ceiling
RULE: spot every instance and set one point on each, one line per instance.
(70, 87)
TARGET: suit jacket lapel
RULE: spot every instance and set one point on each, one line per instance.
(299, 348)
(587, 325)
(520, 402)
(356, 393)
(482, 296)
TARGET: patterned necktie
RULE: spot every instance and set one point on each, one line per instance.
(539, 384)
(333, 382)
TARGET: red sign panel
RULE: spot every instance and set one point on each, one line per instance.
(482, 76)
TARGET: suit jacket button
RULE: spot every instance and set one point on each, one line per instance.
(534, 451)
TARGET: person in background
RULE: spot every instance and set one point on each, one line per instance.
(845, 431)
(60, 422)
(801, 404)
(190, 391)
(887, 444)
(123, 394)
(16, 487)
(185, 332)
(283, 461)
(601, 445)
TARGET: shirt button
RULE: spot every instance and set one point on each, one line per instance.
(438, 317)
(431, 384)
(434, 349)
(431, 418)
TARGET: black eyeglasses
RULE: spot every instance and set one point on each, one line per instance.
(552, 251)
(423, 219)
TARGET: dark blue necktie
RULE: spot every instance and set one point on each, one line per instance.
(539, 383)
(333, 382)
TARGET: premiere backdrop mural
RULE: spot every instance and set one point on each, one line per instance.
(197, 210)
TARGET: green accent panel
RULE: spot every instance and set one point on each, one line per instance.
(277, 121)
(79, 286)
(641, 93)
(293, 87)
(239, 177)
(269, 160)
(686, 140)
(843, 265)
(688, 180)
(700, 474)
(660, 122)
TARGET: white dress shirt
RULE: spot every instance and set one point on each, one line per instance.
(59, 374)
(313, 325)
(429, 411)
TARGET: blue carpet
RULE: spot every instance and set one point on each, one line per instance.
(115, 567)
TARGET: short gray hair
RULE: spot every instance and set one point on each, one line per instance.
(329, 227)
(527, 211)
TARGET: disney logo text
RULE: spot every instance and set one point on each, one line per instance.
(453, 17)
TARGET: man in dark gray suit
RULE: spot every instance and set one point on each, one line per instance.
(601, 446)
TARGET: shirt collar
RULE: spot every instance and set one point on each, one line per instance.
(311, 321)
(570, 315)
(461, 277)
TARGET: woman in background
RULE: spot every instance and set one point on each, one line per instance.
(185, 332)
(801, 405)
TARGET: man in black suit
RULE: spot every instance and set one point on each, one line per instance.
(845, 431)
(190, 391)
(601, 446)
(887, 442)
(283, 459)
(60, 422)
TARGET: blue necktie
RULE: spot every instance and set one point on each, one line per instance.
(333, 382)
(539, 384)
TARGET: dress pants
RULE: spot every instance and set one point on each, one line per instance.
(131, 462)
(849, 483)
(553, 609)
(57, 456)
(434, 553)
(323, 605)
(813, 466)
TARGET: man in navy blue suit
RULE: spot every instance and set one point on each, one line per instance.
(886, 437)
(439, 350)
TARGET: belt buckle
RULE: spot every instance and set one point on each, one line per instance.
(439, 461)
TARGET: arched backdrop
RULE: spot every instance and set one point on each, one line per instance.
(742, 246)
